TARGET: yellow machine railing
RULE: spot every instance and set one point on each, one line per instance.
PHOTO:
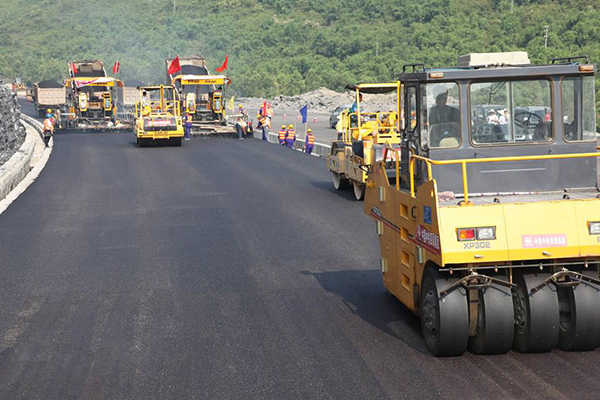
(464, 162)
(171, 106)
(385, 126)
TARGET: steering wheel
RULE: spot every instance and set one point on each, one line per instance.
(443, 131)
(526, 119)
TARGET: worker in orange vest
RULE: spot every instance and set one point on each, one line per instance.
(282, 133)
(48, 130)
(309, 141)
(290, 136)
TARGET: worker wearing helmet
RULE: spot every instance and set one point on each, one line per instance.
(48, 130)
(290, 136)
(309, 141)
(49, 115)
(241, 122)
(282, 133)
(263, 124)
(188, 125)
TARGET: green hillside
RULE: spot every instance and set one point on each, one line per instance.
(284, 46)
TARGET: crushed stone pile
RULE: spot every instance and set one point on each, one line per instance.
(12, 133)
(323, 100)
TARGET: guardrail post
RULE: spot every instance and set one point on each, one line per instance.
(412, 176)
(465, 182)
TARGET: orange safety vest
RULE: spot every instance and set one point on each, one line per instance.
(282, 134)
(188, 118)
(310, 139)
(291, 134)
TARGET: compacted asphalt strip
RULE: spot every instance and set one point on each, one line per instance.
(222, 269)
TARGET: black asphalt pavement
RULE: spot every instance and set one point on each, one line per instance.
(222, 269)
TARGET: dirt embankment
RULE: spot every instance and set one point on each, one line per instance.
(322, 100)
(12, 133)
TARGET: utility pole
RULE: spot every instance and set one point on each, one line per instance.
(512, 5)
(546, 27)
(377, 48)
(174, 6)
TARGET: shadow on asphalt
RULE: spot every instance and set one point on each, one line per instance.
(328, 186)
(363, 293)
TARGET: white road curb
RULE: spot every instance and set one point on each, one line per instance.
(15, 175)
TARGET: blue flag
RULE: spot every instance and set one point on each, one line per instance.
(304, 113)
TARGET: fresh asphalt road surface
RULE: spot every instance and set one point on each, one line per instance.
(222, 269)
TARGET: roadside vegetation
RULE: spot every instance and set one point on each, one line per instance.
(287, 46)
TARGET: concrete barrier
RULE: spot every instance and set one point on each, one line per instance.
(320, 149)
(15, 169)
(17, 173)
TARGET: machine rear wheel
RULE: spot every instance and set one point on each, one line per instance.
(359, 190)
(536, 314)
(496, 322)
(445, 320)
(176, 141)
(579, 317)
(339, 183)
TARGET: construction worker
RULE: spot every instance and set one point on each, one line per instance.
(188, 125)
(282, 133)
(241, 122)
(263, 123)
(290, 136)
(309, 141)
(49, 115)
(48, 129)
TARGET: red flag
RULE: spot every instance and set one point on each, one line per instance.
(224, 66)
(116, 67)
(73, 68)
(174, 67)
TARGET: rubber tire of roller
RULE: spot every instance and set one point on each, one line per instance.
(496, 321)
(359, 190)
(452, 326)
(537, 329)
(583, 333)
(339, 183)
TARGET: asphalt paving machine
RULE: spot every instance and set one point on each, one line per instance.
(363, 133)
(202, 96)
(489, 227)
(158, 117)
(91, 98)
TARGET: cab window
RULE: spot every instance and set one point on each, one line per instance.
(511, 112)
(578, 100)
(440, 109)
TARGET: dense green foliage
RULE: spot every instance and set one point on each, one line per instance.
(286, 46)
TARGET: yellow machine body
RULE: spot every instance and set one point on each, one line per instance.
(351, 156)
(417, 230)
(158, 118)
